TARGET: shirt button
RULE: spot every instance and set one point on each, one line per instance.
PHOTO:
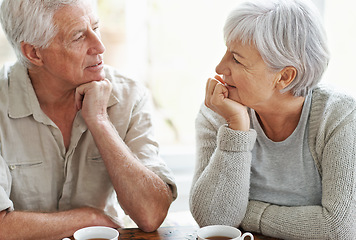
(12, 167)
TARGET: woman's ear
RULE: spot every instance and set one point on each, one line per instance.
(31, 53)
(287, 75)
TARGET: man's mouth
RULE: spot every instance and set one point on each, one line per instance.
(101, 62)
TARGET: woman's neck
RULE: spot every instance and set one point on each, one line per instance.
(281, 119)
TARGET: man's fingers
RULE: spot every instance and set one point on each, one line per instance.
(79, 96)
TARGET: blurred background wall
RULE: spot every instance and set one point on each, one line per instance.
(173, 46)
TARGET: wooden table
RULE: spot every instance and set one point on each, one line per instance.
(169, 233)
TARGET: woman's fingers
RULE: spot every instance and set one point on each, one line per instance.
(215, 93)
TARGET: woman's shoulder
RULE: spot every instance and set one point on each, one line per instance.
(330, 92)
(330, 109)
(328, 100)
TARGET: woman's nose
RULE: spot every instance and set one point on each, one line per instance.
(222, 67)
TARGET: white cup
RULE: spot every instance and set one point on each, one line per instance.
(222, 231)
(96, 232)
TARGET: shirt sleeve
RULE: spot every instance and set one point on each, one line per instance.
(5, 187)
(140, 138)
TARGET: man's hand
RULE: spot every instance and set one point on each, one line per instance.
(92, 98)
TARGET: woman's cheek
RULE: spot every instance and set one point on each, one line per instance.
(234, 94)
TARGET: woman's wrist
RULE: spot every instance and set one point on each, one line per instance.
(241, 123)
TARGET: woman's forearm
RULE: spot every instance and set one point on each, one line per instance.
(220, 189)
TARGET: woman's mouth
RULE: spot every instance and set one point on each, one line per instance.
(222, 81)
(229, 86)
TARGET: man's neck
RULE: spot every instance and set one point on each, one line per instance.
(51, 92)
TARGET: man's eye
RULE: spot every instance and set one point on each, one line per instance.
(96, 28)
(79, 37)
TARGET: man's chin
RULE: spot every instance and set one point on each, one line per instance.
(97, 77)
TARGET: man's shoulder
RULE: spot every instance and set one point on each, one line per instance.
(4, 72)
(121, 83)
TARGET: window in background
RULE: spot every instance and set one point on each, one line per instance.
(173, 46)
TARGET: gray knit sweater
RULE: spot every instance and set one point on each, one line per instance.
(220, 188)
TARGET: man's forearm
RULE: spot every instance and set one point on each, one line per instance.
(142, 194)
(33, 225)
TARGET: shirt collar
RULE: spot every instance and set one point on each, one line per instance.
(23, 101)
(22, 97)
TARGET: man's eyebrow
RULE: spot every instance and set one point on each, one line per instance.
(76, 32)
(96, 23)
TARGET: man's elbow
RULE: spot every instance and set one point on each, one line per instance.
(149, 227)
(151, 222)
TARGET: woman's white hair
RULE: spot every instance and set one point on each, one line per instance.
(30, 21)
(286, 33)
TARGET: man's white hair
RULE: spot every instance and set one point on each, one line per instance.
(30, 21)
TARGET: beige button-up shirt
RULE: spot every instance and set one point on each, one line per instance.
(36, 171)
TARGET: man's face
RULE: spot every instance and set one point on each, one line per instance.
(75, 56)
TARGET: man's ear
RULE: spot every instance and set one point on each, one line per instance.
(286, 77)
(31, 53)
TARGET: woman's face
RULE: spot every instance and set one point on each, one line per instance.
(249, 80)
(75, 56)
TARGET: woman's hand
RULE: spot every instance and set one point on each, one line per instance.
(217, 99)
(92, 98)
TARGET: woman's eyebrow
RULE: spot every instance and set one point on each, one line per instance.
(238, 54)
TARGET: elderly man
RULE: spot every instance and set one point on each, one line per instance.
(76, 138)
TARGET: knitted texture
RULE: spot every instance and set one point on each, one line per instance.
(220, 188)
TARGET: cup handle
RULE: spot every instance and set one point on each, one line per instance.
(247, 234)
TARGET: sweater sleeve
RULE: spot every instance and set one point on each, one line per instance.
(220, 188)
(333, 143)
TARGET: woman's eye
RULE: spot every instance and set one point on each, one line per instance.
(236, 60)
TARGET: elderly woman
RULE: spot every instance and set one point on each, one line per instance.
(76, 142)
(276, 152)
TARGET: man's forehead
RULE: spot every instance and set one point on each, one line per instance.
(76, 14)
(73, 19)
